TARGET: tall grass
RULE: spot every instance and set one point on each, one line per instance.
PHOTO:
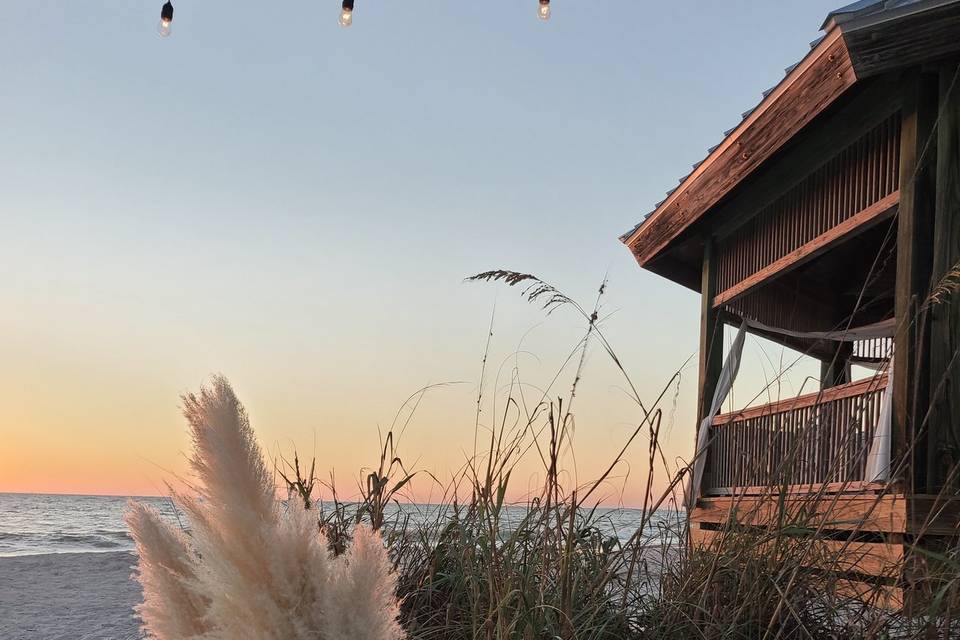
(479, 567)
(556, 572)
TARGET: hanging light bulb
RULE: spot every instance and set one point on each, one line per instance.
(346, 13)
(544, 9)
(166, 19)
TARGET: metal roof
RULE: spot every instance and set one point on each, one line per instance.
(864, 8)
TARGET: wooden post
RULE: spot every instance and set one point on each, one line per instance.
(711, 333)
(914, 249)
(944, 312)
(837, 370)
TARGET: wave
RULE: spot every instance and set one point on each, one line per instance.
(34, 543)
(15, 536)
(105, 540)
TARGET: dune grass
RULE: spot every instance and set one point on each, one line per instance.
(476, 567)
(477, 570)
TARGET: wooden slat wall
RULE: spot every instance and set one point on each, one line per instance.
(784, 309)
(862, 174)
(821, 438)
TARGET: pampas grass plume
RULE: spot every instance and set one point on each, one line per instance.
(172, 608)
(258, 567)
(255, 569)
(362, 604)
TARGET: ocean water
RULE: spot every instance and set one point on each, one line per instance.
(35, 524)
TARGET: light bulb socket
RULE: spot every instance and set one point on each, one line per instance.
(347, 6)
(544, 3)
(166, 12)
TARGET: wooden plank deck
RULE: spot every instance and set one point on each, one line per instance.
(831, 512)
(869, 559)
(866, 540)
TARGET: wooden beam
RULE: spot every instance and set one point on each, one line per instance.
(837, 371)
(843, 512)
(944, 424)
(823, 75)
(914, 244)
(866, 558)
(882, 559)
(711, 341)
(858, 223)
(807, 400)
(902, 37)
(711, 334)
(855, 488)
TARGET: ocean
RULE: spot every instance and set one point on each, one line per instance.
(32, 524)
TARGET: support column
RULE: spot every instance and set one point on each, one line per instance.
(944, 309)
(914, 245)
(837, 370)
(711, 333)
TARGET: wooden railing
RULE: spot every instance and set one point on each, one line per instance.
(814, 439)
(873, 349)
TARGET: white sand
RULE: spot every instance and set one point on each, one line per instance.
(68, 596)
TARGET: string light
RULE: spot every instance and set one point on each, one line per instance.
(544, 9)
(346, 13)
(166, 19)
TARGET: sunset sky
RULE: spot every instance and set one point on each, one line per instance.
(296, 205)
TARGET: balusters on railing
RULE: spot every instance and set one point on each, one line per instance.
(814, 439)
(873, 349)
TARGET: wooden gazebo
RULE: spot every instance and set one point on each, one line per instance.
(832, 206)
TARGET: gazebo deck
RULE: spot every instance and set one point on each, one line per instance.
(798, 466)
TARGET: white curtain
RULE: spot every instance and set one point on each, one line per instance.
(878, 458)
(731, 365)
(882, 329)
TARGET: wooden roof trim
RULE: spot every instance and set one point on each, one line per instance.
(744, 149)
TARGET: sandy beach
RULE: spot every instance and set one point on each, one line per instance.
(68, 596)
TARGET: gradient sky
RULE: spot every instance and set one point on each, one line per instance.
(267, 195)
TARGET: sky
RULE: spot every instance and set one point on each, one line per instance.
(296, 205)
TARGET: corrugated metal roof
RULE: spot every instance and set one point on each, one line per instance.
(860, 5)
(855, 9)
(864, 8)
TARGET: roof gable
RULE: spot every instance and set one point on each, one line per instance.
(857, 44)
